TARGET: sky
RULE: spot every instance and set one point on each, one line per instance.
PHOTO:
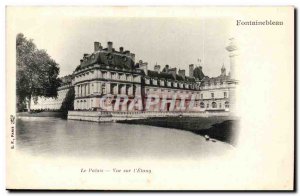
(176, 41)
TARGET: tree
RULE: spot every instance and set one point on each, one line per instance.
(198, 73)
(68, 102)
(37, 72)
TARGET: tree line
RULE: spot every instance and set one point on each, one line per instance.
(37, 73)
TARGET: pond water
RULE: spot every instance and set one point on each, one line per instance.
(48, 136)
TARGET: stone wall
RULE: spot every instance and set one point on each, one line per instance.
(95, 116)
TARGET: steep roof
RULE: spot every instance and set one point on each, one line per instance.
(180, 78)
(167, 76)
(170, 76)
(215, 79)
(66, 79)
(190, 79)
(114, 59)
(153, 74)
(161, 75)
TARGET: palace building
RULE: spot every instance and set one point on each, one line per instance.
(115, 75)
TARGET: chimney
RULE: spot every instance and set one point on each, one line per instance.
(121, 49)
(143, 66)
(96, 46)
(181, 72)
(85, 56)
(109, 46)
(191, 70)
(157, 68)
(81, 61)
(132, 56)
(166, 69)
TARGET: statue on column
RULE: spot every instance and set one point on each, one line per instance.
(232, 49)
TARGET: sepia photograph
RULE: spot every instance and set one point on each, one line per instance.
(149, 98)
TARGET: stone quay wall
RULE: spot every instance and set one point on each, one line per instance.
(103, 116)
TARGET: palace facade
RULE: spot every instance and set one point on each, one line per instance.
(128, 86)
(108, 71)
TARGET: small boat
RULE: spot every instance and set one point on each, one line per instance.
(206, 137)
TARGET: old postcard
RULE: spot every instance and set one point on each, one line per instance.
(150, 98)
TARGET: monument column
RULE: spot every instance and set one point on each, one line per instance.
(232, 49)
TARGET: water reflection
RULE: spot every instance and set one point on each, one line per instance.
(58, 137)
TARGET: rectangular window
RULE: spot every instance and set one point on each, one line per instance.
(103, 89)
(201, 96)
(225, 94)
(212, 95)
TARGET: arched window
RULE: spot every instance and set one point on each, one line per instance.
(226, 104)
(214, 105)
(202, 105)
